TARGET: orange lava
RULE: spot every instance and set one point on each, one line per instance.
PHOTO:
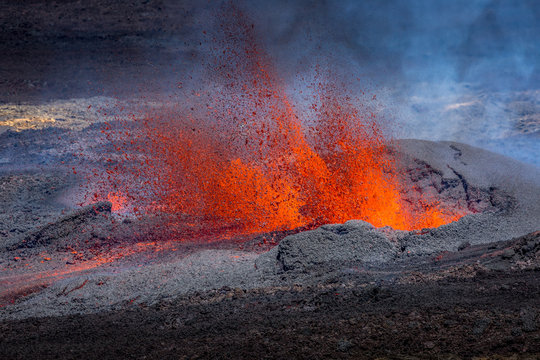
(26, 280)
(240, 153)
(117, 200)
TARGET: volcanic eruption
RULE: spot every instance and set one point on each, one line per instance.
(287, 179)
(238, 154)
(284, 179)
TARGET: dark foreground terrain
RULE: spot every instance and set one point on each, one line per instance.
(492, 314)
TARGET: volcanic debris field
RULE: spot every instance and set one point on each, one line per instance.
(151, 214)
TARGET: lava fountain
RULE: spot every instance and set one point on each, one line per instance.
(237, 154)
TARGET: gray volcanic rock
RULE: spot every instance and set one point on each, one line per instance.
(28, 201)
(513, 188)
(66, 226)
(354, 241)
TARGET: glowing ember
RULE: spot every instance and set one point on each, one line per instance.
(247, 160)
(117, 200)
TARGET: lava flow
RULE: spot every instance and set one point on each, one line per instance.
(240, 155)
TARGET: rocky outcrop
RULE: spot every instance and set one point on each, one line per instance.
(69, 225)
(355, 241)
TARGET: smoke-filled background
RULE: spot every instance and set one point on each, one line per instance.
(444, 70)
(441, 70)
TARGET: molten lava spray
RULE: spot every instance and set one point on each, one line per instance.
(239, 155)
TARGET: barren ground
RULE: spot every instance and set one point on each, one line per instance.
(467, 290)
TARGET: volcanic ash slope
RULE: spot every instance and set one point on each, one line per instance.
(504, 193)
